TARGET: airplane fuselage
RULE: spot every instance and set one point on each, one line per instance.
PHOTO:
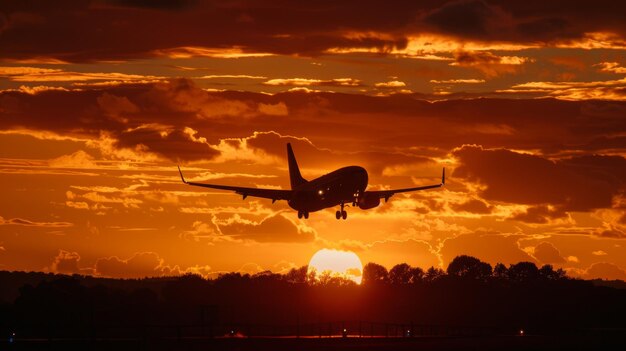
(341, 186)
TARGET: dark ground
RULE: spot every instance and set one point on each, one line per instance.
(612, 341)
(469, 308)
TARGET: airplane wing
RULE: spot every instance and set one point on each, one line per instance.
(273, 194)
(386, 194)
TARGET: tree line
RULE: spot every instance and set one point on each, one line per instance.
(468, 293)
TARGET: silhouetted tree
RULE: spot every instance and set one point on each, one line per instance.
(469, 267)
(500, 271)
(548, 272)
(327, 279)
(433, 274)
(417, 275)
(297, 275)
(400, 274)
(523, 272)
(373, 273)
(404, 274)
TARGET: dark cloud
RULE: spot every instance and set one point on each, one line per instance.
(612, 233)
(170, 119)
(547, 253)
(463, 18)
(545, 28)
(573, 184)
(275, 228)
(473, 206)
(113, 30)
(539, 214)
(473, 58)
(65, 262)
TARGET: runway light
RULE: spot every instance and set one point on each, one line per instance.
(521, 332)
(321, 192)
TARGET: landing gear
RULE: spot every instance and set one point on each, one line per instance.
(304, 214)
(341, 213)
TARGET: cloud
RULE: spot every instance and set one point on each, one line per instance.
(539, 214)
(605, 270)
(613, 67)
(65, 262)
(274, 228)
(34, 74)
(606, 90)
(257, 29)
(116, 106)
(466, 18)
(279, 109)
(78, 159)
(390, 84)
(473, 206)
(30, 223)
(139, 265)
(198, 51)
(489, 64)
(457, 81)
(545, 252)
(230, 76)
(304, 82)
(489, 247)
(574, 184)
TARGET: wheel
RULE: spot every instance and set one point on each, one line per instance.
(306, 215)
(338, 214)
(344, 214)
(299, 214)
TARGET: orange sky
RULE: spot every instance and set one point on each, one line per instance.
(523, 102)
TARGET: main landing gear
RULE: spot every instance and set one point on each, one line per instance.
(304, 214)
(342, 213)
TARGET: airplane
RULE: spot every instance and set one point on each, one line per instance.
(341, 187)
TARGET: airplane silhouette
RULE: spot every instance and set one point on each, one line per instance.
(343, 186)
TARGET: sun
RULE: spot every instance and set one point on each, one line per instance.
(345, 264)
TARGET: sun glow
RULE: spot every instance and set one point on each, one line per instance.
(336, 263)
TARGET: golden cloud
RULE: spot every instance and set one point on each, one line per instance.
(613, 67)
(194, 51)
(390, 84)
(30, 223)
(33, 74)
(457, 81)
(303, 82)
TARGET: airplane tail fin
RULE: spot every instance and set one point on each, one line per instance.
(443, 176)
(294, 171)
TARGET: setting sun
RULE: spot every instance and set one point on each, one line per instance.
(336, 263)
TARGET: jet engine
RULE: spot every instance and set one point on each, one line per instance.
(368, 201)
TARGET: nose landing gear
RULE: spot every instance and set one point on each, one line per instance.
(304, 214)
